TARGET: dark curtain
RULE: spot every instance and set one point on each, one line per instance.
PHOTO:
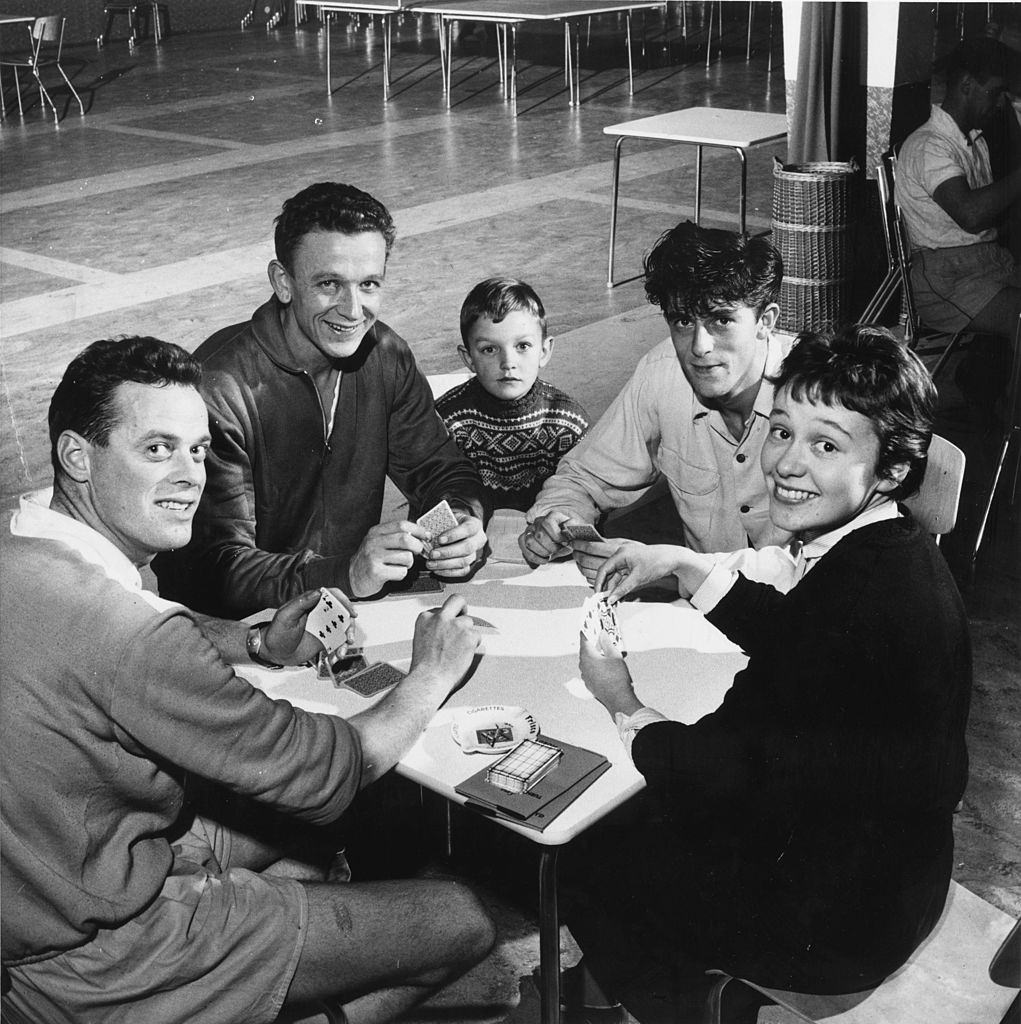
(829, 96)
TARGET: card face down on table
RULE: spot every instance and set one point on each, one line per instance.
(578, 768)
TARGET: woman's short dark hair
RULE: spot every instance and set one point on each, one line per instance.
(85, 398)
(867, 370)
(692, 270)
(329, 206)
(495, 298)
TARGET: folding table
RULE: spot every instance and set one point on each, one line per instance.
(512, 13)
(718, 127)
(385, 8)
(681, 665)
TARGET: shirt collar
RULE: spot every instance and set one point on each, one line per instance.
(35, 518)
(764, 398)
(949, 128)
(886, 509)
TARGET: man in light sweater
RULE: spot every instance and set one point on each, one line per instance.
(121, 902)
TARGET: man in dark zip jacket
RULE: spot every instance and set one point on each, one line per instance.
(313, 403)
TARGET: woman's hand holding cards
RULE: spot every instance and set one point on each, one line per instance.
(601, 658)
(634, 565)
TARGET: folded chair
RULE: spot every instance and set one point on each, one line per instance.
(46, 39)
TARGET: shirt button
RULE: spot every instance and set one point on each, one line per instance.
(742, 457)
(746, 508)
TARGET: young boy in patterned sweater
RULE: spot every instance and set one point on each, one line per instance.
(513, 426)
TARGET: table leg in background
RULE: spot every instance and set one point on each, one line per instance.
(514, 68)
(613, 209)
(698, 179)
(744, 186)
(549, 937)
(327, 18)
(630, 66)
(386, 56)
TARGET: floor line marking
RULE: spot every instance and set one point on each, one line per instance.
(55, 267)
(152, 133)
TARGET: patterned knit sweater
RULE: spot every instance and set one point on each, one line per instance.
(514, 445)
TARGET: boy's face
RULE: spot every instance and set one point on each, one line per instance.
(723, 354)
(507, 356)
(819, 462)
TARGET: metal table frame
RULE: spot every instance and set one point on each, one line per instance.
(716, 127)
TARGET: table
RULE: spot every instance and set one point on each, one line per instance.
(385, 8)
(512, 13)
(531, 661)
(718, 127)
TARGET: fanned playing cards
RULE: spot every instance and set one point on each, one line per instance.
(328, 621)
(599, 618)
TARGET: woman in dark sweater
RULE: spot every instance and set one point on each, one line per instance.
(799, 836)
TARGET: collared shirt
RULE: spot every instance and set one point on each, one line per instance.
(35, 518)
(656, 428)
(931, 155)
(781, 567)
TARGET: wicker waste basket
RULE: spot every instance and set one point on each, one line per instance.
(814, 210)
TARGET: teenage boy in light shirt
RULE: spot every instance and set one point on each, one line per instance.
(693, 415)
(801, 835)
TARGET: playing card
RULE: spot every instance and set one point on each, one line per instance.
(580, 531)
(599, 618)
(328, 621)
(373, 679)
(438, 519)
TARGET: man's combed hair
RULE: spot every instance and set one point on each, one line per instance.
(495, 298)
(329, 206)
(86, 395)
(692, 270)
(866, 369)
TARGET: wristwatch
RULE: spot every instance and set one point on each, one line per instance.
(253, 645)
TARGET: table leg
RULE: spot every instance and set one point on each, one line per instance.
(501, 46)
(613, 210)
(549, 937)
(568, 77)
(514, 68)
(326, 25)
(630, 66)
(386, 56)
(698, 183)
(450, 57)
(744, 185)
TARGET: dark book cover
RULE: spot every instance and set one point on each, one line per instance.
(577, 770)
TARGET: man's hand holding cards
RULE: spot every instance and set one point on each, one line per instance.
(454, 543)
(589, 546)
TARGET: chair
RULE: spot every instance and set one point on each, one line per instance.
(46, 38)
(155, 12)
(898, 275)
(945, 981)
(935, 503)
(1011, 433)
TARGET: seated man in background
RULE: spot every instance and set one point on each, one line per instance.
(695, 412)
(312, 405)
(961, 276)
(120, 902)
(801, 835)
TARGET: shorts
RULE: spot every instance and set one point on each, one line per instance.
(952, 286)
(216, 946)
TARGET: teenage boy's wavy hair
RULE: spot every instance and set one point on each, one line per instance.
(86, 395)
(495, 298)
(329, 206)
(692, 269)
(864, 368)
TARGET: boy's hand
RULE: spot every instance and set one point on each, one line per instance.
(542, 540)
(385, 554)
(456, 551)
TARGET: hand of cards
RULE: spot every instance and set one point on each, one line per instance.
(580, 531)
(328, 621)
(438, 520)
(599, 623)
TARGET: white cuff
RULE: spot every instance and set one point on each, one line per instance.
(628, 726)
(714, 588)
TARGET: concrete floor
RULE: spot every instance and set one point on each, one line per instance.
(153, 215)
